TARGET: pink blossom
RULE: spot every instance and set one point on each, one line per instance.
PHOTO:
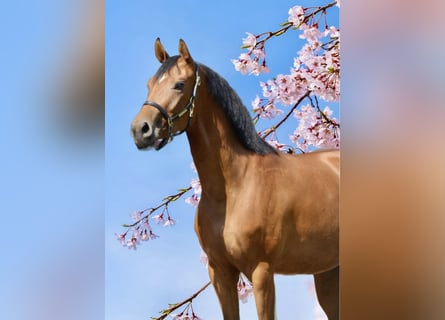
(159, 218)
(245, 289)
(196, 185)
(193, 200)
(257, 69)
(284, 89)
(145, 225)
(136, 233)
(169, 222)
(271, 111)
(132, 243)
(152, 236)
(268, 89)
(319, 73)
(314, 130)
(148, 235)
(311, 34)
(250, 41)
(185, 316)
(259, 54)
(256, 105)
(243, 63)
(121, 238)
(274, 143)
(297, 64)
(204, 259)
(296, 15)
(268, 111)
(249, 63)
(136, 215)
(332, 32)
(338, 3)
(144, 229)
(144, 235)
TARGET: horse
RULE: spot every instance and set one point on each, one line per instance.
(261, 211)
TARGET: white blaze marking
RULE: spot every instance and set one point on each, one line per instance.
(162, 78)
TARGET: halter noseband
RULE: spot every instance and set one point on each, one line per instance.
(170, 119)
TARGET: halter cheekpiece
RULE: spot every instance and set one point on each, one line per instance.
(170, 119)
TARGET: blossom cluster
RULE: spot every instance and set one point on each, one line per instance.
(196, 196)
(197, 190)
(315, 72)
(316, 128)
(254, 61)
(141, 229)
(296, 15)
(245, 289)
(187, 314)
(265, 110)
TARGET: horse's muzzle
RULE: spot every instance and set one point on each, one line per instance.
(143, 135)
(146, 136)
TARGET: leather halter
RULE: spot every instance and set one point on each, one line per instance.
(170, 119)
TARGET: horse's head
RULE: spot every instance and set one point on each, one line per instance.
(168, 109)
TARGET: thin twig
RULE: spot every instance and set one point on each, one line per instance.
(323, 115)
(166, 199)
(288, 25)
(267, 132)
(173, 307)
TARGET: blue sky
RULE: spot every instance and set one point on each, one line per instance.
(141, 283)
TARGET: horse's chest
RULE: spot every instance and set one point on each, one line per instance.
(209, 229)
(223, 238)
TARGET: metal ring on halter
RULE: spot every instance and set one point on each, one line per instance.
(170, 119)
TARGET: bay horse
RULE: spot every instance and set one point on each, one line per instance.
(261, 211)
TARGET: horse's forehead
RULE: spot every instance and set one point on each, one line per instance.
(162, 77)
(172, 67)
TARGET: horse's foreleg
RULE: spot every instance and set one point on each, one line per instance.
(224, 281)
(326, 285)
(264, 291)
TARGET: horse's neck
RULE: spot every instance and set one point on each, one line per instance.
(218, 155)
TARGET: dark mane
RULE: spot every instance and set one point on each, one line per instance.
(236, 112)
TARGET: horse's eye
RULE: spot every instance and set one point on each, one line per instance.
(179, 86)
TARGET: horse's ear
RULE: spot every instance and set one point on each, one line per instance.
(160, 52)
(184, 51)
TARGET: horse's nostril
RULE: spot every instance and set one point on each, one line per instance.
(145, 128)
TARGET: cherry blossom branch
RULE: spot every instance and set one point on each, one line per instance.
(323, 115)
(175, 306)
(287, 25)
(244, 288)
(141, 228)
(167, 200)
(320, 9)
(267, 132)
